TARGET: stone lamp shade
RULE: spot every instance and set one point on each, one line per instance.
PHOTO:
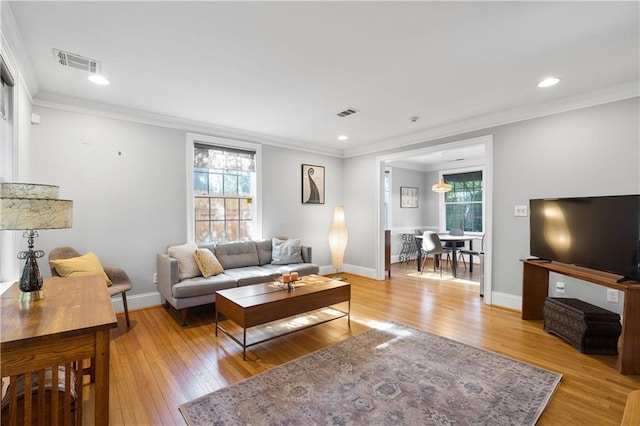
(29, 207)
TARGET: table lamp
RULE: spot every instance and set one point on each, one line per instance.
(29, 207)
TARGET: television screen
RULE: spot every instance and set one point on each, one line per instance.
(601, 233)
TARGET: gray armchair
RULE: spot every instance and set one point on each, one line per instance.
(119, 278)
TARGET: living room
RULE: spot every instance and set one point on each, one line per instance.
(125, 168)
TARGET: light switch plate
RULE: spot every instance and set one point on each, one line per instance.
(521, 211)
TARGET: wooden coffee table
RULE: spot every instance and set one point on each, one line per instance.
(259, 304)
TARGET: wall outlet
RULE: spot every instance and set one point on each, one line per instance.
(560, 287)
(612, 295)
(155, 278)
(520, 211)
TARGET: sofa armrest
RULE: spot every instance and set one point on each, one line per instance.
(306, 254)
(167, 269)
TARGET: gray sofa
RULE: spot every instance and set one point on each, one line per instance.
(244, 263)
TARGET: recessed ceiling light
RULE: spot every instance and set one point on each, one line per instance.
(343, 137)
(98, 79)
(549, 81)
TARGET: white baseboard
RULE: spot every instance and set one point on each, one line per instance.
(351, 269)
(506, 300)
(137, 301)
(359, 270)
(147, 300)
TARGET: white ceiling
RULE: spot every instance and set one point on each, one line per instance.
(282, 70)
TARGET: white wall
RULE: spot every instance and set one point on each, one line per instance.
(127, 181)
(591, 151)
(283, 211)
(588, 152)
(406, 220)
(432, 207)
(407, 217)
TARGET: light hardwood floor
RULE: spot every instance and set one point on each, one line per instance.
(157, 364)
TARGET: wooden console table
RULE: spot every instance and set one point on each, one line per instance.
(72, 323)
(535, 288)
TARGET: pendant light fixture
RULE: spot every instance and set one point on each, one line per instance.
(441, 187)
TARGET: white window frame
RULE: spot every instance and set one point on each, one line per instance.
(192, 139)
(10, 266)
(442, 207)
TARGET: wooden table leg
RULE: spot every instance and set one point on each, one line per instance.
(454, 261)
(102, 378)
(535, 289)
(628, 359)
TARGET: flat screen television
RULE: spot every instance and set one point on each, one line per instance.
(601, 233)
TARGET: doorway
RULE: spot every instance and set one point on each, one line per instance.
(435, 151)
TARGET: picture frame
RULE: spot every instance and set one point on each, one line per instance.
(312, 184)
(408, 197)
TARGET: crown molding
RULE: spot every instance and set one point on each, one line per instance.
(50, 100)
(611, 94)
(614, 93)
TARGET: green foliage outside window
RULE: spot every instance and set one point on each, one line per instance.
(464, 203)
(223, 193)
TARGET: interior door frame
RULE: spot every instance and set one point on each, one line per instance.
(487, 141)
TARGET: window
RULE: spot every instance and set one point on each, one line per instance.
(224, 188)
(9, 266)
(464, 204)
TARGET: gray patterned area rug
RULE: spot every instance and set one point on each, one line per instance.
(392, 375)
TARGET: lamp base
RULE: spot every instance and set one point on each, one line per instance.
(31, 280)
(31, 296)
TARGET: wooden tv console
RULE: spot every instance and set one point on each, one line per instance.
(535, 289)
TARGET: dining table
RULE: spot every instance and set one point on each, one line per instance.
(454, 252)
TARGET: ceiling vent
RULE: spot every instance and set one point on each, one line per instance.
(73, 60)
(347, 112)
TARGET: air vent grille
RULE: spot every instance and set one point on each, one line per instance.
(347, 112)
(72, 60)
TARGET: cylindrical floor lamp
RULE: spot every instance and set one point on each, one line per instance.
(338, 237)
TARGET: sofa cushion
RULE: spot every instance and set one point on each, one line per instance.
(200, 286)
(252, 275)
(207, 262)
(237, 254)
(285, 252)
(264, 251)
(187, 266)
(84, 265)
(210, 246)
(301, 268)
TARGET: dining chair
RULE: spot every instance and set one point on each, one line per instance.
(474, 252)
(431, 244)
(459, 245)
(418, 232)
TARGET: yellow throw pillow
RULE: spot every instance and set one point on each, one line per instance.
(85, 265)
(208, 263)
